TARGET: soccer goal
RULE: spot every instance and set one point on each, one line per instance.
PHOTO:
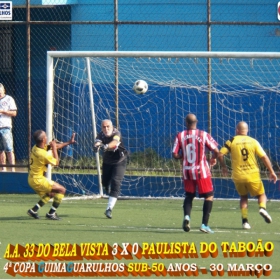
(221, 88)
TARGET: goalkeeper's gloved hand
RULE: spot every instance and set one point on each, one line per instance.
(101, 147)
(96, 148)
(104, 148)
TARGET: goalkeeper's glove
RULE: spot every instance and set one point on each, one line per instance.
(96, 148)
(104, 148)
(100, 147)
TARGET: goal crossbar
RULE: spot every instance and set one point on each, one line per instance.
(166, 54)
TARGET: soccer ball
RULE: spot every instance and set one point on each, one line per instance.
(140, 87)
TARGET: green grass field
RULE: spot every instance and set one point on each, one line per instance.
(142, 221)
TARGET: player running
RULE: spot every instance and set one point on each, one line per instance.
(245, 170)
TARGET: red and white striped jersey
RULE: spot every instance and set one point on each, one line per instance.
(193, 144)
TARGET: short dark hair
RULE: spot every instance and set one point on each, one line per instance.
(38, 136)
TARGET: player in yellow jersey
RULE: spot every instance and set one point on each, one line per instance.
(39, 159)
(245, 170)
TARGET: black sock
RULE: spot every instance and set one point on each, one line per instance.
(54, 207)
(38, 206)
(207, 207)
(188, 205)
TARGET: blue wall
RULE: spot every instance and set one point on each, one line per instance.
(17, 183)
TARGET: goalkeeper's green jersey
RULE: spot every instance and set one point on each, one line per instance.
(39, 159)
(244, 150)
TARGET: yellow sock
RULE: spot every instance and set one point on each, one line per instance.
(45, 199)
(262, 205)
(244, 213)
(58, 198)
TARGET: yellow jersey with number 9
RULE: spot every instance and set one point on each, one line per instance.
(243, 150)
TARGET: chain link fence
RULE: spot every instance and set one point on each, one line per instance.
(124, 25)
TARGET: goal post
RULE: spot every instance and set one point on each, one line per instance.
(221, 88)
(50, 113)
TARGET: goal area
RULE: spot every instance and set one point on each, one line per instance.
(221, 88)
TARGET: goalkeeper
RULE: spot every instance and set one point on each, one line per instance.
(44, 187)
(245, 170)
(114, 162)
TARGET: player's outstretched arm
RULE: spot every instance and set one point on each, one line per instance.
(112, 146)
(64, 144)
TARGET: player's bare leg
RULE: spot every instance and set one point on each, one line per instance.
(262, 200)
(3, 160)
(11, 159)
(262, 204)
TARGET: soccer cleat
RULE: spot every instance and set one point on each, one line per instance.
(186, 223)
(33, 214)
(52, 216)
(265, 215)
(246, 226)
(206, 229)
(108, 213)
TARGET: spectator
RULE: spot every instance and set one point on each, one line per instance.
(8, 109)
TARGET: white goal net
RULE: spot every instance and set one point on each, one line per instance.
(220, 88)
